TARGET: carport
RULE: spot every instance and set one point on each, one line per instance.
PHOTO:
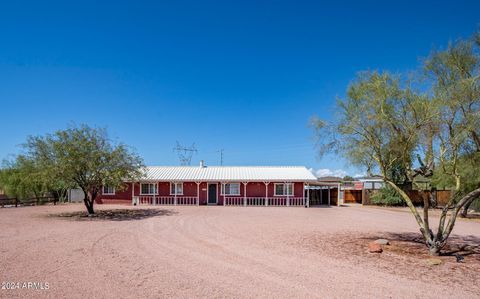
(324, 193)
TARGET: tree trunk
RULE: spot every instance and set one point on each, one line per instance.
(88, 203)
(433, 197)
(433, 246)
(466, 200)
(436, 243)
(90, 209)
(434, 249)
(55, 197)
(464, 212)
(89, 206)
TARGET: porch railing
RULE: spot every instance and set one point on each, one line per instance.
(165, 200)
(262, 201)
(228, 201)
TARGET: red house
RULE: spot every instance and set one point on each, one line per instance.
(217, 185)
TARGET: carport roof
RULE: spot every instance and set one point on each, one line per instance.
(229, 174)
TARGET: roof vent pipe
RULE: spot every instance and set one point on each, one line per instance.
(202, 164)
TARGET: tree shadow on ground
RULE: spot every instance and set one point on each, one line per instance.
(115, 215)
(456, 245)
(473, 216)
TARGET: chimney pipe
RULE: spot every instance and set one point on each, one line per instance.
(202, 164)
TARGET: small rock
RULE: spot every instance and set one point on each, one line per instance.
(434, 262)
(374, 248)
(382, 242)
(459, 258)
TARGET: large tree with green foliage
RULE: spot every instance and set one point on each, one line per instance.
(23, 178)
(455, 77)
(79, 157)
(399, 132)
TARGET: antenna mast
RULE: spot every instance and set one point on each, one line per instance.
(221, 156)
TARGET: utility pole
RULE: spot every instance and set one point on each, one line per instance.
(185, 153)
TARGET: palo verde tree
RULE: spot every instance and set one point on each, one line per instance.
(84, 157)
(394, 131)
(455, 78)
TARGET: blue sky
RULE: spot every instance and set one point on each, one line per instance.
(244, 76)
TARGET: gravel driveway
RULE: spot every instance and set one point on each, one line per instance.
(218, 252)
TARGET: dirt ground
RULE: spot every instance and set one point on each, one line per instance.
(219, 252)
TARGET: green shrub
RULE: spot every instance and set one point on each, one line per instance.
(387, 196)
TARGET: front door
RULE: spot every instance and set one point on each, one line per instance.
(212, 193)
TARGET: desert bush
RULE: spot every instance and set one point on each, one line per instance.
(387, 196)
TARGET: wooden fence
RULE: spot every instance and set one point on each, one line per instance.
(27, 202)
(443, 196)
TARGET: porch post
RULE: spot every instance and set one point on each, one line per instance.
(288, 196)
(222, 188)
(133, 193)
(245, 194)
(266, 193)
(303, 194)
(175, 199)
(154, 200)
(198, 193)
(308, 196)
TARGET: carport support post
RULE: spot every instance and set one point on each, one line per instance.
(321, 195)
(198, 193)
(328, 194)
(266, 193)
(338, 194)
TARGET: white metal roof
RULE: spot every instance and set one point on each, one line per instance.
(229, 173)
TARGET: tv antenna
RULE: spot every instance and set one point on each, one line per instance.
(185, 153)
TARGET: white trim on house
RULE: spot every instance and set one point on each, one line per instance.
(109, 190)
(230, 194)
(291, 193)
(176, 184)
(155, 189)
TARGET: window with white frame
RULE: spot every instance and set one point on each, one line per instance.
(176, 188)
(108, 190)
(148, 189)
(284, 189)
(231, 189)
